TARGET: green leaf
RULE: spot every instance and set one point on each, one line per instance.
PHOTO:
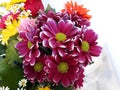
(12, 54)
(49, 8)
(2, 48)
(10, 73)
(10, 76)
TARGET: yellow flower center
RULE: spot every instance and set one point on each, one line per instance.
(29, 44)
(43, 88)
(38, 67)
(63, 67)
(60, 37)
(23, 83)
(85, 46)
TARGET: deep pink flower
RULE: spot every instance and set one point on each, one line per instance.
(58, 36)
(57, 16)
(34, 6)
(79, 83)
(79, 21)
(36, 72)
(28, 47)
(2, 23)
(64, 70)
(86, 46)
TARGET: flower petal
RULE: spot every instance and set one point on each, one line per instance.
(36, 53)
(61, 52)
(65, 82)
(42, 35)
(52, 43)
(57, 77)
(90, 36)
(95, 50)
(45, 43)
(52, 26)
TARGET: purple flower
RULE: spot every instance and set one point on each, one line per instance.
(64, 70)
(86, 46)
(79, 83)
(58, 36)
(43, 17)
(79, 21)
(36, 72)
(28, 47)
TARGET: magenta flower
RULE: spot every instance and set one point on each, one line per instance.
(86, 46)
(43, 17)
(58, 36)
(28, 47)
(36, 72)
(64, 70)
(79, 83)
(79, 21)
(2, 23)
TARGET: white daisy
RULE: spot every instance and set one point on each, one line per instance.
(22, 83)
(21, 89)
(4, 88)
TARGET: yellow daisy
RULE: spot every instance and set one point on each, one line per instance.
(8, 5)
(17, 1)
(10, 30)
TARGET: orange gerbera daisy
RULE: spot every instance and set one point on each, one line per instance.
(71, 8)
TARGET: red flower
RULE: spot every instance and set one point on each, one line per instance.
(34, 6)
(72, 7)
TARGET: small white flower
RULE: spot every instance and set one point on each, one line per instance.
(4, 88)
(20, 89)
(22, 83)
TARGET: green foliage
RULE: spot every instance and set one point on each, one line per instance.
(9, 76)
(2, 48)
(10, 73)
(49, 8)
(11, 53)
(60, 87)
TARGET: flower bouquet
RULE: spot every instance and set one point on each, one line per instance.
(41, 49)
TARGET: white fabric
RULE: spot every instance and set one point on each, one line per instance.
(102, 74)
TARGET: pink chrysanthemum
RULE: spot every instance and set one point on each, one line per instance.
(28, 47)
(64, 70)
(58, 36)
(36, 72)
(25, 24)
(86, 46)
